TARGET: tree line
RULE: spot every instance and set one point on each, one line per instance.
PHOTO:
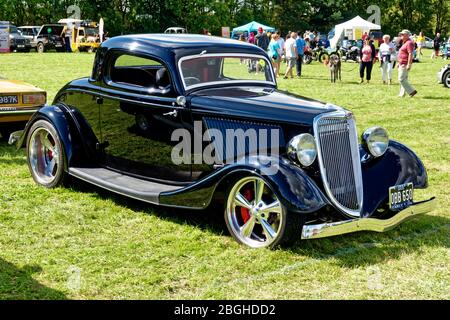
(138, 16)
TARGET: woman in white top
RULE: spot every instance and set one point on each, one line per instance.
(386, 55)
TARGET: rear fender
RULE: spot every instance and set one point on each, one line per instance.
(57, 115)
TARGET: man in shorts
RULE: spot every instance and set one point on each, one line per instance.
(291, 54)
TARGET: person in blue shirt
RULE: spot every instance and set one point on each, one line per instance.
(301, 43)
(275, 53)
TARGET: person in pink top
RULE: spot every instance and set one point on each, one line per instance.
(367, 59)
(405, 58)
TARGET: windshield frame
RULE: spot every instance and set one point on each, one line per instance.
(230, 82)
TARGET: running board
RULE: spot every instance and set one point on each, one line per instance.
(139, 189)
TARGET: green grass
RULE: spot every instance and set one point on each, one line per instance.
(124, 249)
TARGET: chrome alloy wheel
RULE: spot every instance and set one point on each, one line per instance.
(254, 214)
(43, 153)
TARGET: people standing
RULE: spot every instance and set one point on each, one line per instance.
(68, 38)
(261, 39)
(420, 43)
(386, 55)
(436, 45)
(251, 38)
(301, 44)
(367, 57)
(405, 60)
(280, 42)
(275, 53)
(291, 54)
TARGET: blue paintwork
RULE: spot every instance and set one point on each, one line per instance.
(299, 189)
(295, 189)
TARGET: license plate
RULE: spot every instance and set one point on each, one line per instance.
(401, 196)
(9, 100)
(21, 46)
(58, 45)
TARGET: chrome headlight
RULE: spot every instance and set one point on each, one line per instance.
(303, 148)
(376, 140)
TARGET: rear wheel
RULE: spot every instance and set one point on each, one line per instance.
(40, 47)
(45, 155)
(307, 59)
(446, 79)
(255, 216)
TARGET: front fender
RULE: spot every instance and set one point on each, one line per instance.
(295, 189)
(399, 165)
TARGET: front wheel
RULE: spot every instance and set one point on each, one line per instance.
(45, 155)
(255, 216)
(307, 59)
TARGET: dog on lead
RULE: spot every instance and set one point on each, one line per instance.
(334, 64)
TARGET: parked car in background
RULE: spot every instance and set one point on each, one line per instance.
(175, 30)
(304, 174)
(50, 38)
(444, 76)
(18, 102)
(31, 33)
(429, 43)
(17, 42)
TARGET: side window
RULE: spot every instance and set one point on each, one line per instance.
(141, 73)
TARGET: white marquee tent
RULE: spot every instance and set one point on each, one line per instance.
(357, 23)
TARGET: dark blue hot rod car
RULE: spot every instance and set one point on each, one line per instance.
(187, 121)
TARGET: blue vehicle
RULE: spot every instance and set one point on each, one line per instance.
(115, 129)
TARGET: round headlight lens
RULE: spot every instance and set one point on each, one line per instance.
(376, 140)
(303, 148)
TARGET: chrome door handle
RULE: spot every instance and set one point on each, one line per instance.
(173, 113)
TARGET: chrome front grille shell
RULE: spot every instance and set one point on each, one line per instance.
(339, 160)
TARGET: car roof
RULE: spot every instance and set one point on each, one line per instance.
(180, 44)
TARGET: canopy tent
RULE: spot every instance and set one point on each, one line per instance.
(357, 23)
(251, 27)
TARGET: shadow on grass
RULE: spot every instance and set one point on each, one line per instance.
(347, 250)
(18, 284)
(435, 98)
(350, 250)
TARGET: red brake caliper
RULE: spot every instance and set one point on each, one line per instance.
(245, 213)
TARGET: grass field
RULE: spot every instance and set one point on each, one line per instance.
(85, 243)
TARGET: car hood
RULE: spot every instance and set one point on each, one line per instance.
(15, 86)
(258, 104)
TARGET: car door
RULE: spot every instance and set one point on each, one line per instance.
(138, 116)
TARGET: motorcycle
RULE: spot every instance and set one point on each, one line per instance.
(349, 54)
(319, 53)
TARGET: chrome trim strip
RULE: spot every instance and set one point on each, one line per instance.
(243, 82)
(18, 112)
(355, 157)
(367, 224)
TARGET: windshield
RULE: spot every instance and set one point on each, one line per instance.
(91, 32)
(216, 69)
(13, 29)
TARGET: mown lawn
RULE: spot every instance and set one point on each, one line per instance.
(85, 243)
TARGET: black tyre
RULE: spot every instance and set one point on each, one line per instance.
(256, 218)
(307, 59)
(40, 48)
(446, 79)
(45, 155)
(324, 56)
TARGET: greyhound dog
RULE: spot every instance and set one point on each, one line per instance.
(335, 67)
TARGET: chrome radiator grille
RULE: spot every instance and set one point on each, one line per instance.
(338, 155)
